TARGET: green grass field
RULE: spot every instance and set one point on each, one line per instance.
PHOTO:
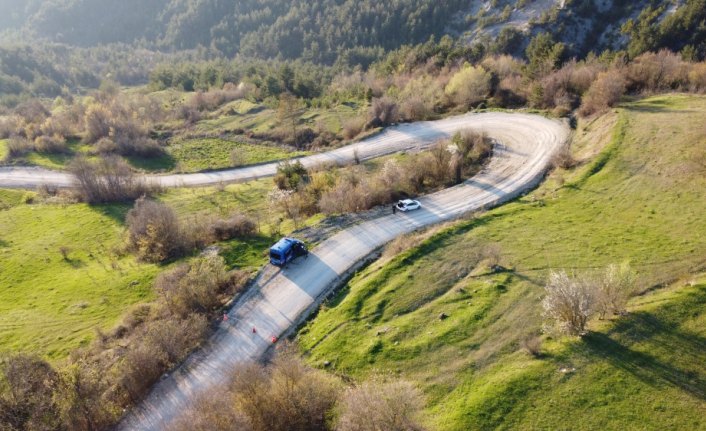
(194, 155)
(50, 305)
(639, 195)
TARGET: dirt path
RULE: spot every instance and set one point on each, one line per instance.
(413, 136)
(280, 299)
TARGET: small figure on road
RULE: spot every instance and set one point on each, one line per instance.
(274, 339)
(394, 209)
(254, 331)
(225, 317)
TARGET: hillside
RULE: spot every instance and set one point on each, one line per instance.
(639, 196)
(323, 31)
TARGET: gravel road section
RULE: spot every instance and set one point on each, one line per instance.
(280, 299)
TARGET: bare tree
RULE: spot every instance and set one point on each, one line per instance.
(614, 289)
(375, 406)
(570, 302)
(153, 231)
(26, 388)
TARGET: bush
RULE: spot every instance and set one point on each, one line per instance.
(615, 287)
(375, 406)
(654, 72)
(570, 302)
(109, 179)
(154, 233)
(197, 287)
(532, 345)
(291, 175)
(353, 127)
(469, 86)
(51, 145)
(26, 389)
(604, 93)
(383, 111)
(563, 158)
(301, 397)
(236, 226)
(18, 147)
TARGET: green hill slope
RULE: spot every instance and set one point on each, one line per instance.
(639, 195)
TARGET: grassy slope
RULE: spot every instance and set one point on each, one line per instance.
(51, 305)
(203, 154)
(642, 198)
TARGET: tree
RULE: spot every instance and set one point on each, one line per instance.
(27, 384)
(469, 86)
(615, 288)
(604, 93)
(288, 111)
(543, 54)
(376, 405)
(153, 231)
(570, 302)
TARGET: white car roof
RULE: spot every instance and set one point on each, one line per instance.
(407, 201)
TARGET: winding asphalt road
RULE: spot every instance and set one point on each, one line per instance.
(279, 300)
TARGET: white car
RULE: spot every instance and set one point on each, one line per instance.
(408, 205)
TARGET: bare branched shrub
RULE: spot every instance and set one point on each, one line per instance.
(18, 147)
(604, 93)
(236, 226)
(563, 158)
(353, 127)
(110, 179)
(441, 162)
(696, 75)
(80, 395)
(383, 111)
(471, 148)
(197, 287)
(26, 388)
(154, 233)
(570, 302)
(532, 344)
(659, 71)
(97, 123)
(375, 406)
(64, 251)
(237, 157)
(51, 144)
(212, 99)
(615, 287)
(214, 410)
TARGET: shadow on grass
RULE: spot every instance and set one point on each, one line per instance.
(675, 357)
(4, 244)
(247, 252)
(117, 212)
(656, 106)
(165, 162)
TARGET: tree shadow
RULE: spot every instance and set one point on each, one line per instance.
(117, 212)
(656, 106)
(4, 244)
(666, 341)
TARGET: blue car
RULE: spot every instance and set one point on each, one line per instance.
(286, 250)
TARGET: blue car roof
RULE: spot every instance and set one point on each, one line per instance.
(284, 244)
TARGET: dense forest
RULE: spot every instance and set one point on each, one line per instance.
(49, 48)
(314, 30)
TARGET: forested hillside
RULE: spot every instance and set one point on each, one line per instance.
(315, 30)
(323, 30)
